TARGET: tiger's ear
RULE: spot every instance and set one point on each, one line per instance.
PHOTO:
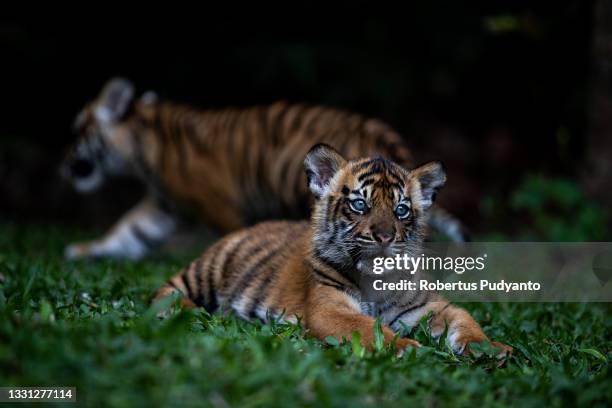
(431, 178)
(321, 164)
(115, 100)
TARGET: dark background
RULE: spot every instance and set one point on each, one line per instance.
(499, 91)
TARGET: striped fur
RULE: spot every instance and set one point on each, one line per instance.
(234, 167)
(313, 270)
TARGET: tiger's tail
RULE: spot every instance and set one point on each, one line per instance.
(181, 284)
(442, 221)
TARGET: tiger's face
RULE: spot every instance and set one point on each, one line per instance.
(103, 133)
(369, 207)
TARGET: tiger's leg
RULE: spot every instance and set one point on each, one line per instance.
(462, 328)
(133, 236)
(333, 313)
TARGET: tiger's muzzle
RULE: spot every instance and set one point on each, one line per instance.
(83, 173)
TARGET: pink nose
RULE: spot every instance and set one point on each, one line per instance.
(384, 238)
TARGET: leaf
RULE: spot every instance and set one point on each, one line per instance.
(405, 332)
(442, 339)
(28, 287)
(332, 341)
(46, 311)
(594, 353)
(413, 353)
(379, 337)
(358, 349)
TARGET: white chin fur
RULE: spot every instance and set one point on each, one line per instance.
(91, 183)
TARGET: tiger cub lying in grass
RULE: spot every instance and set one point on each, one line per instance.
(363, 209)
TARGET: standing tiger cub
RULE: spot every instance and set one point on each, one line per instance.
(231, 167)
(363, 209)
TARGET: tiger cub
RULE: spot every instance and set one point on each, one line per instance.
(232, 167)
(363, 209)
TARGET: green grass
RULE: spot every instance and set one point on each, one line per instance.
(90, 325)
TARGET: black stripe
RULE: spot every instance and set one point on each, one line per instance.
(337, 207)
(333, 215)
(191, 133)
(298, 118)
(444, 308)
(261, 292)
(248, 276)
(392, 173)
(186, 283)
(251, 253)
(396, 178)
(389, 185)
(330, 200)
(342, 270)
(368, 174)
(320, 274)
(331, 226)
(294, 179)
(348, 214)
(297, 111)
(366, 164)
(275, 135)
(253, 168)
(141, 236)
(314, 120)
(340, 288)
(199, 300)
(211, 296)
(411, 308)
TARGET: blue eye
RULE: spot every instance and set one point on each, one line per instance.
(359, 205)
(402, 211)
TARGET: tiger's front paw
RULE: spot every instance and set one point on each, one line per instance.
(77, 250)
(501, 350)
(103, 249)
(403, 345)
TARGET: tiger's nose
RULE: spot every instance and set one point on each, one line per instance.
(382, 237)
(81, 168)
